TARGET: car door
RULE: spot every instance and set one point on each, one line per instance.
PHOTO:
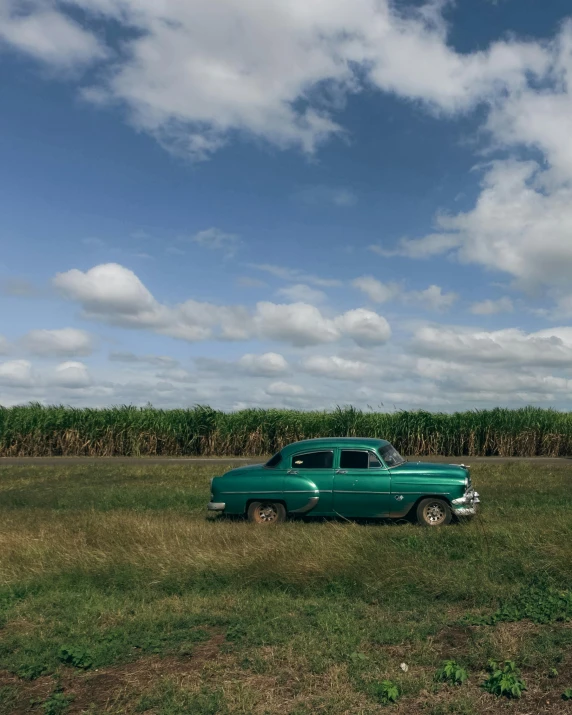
(362, 485)
(316, 466)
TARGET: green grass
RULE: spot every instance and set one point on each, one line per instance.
(119, 595)
(35, 430)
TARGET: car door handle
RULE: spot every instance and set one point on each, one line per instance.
(291, 471)
(341, 471)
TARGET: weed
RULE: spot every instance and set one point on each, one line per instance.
(451, 672)
(567, 694)
(76, 657)
(504, 680)
(57, 703)
(386, 692)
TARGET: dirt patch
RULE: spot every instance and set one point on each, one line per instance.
(109, 687)
(455, 639)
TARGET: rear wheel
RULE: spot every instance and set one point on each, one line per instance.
(266, 512)
(433, 512)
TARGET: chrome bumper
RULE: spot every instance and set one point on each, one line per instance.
(467, 504)
(216, 506)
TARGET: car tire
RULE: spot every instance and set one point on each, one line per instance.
(266, 512)
(433, 512)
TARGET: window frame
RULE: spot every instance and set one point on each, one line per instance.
(381, 467)
(311, 451)
(278, 464)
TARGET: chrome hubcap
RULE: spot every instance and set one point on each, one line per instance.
(267, 513)
(435, 513)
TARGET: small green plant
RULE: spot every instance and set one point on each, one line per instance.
(76, 657)
(567, 694)
(32, 671)
(541, 604)
(552, 673)
(504, 680)
(451, 672)
(57, 704)
(386, 692)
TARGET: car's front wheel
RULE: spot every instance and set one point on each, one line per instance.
(267, 512)
(433, 512)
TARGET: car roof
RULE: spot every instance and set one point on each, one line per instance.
(331, 442)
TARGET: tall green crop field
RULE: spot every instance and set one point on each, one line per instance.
(35, 430)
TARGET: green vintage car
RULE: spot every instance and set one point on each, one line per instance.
(349, 477)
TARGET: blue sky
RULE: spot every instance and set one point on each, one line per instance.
(286, 204)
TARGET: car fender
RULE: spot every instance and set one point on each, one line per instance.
(301, 494)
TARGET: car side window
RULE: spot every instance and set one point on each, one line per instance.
(358, 459)
(313, 460)
(354, 459)
(374, 462)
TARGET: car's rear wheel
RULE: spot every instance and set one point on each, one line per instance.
(266, 512)
(433, 512)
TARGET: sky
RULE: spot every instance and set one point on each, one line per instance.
(286, 203)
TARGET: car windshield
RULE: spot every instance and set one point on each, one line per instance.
(391, 456)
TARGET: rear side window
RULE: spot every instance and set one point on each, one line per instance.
(313, 460)
(358, 459)
(274, 461)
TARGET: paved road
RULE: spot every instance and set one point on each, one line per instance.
(139, 461)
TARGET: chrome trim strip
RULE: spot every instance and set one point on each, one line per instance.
(293, 491)
(301, 491)
(312, 501)
(216, 506)
(356, 491)
(252, 491)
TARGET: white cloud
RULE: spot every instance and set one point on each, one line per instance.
(114, 294)
(364, 326)
(375, 290)
(302, 293)
(296, 275)
(16, 373)
(490, 307)
(190, 79)
(59, 343)
(432, 298)
(324, 195)
(546, 348)
(285, 389)
(521, 224)
(267, 365)
(177, 375)
(425, 247)
(47, 35)
(5, 346)
(71, 375)
(300, 324)
(217, 240)
(163, 361)
(337, 367)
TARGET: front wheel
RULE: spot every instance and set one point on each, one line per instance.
(267, 512)
(433, 512)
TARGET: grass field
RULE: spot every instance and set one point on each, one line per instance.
(119, 595)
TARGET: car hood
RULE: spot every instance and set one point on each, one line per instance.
(430, 469)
